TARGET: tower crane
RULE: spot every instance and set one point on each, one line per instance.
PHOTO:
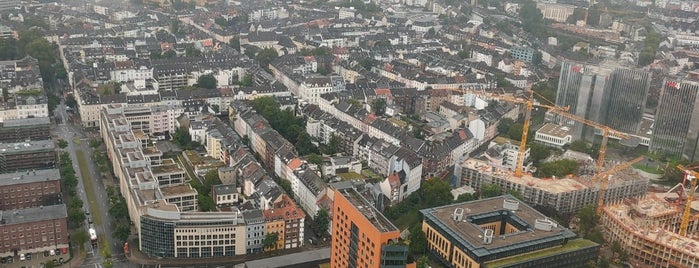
(603, 177)
(606, 131)
(690, 175)
(528, 105)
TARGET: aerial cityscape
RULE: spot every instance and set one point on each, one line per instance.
(349, 133)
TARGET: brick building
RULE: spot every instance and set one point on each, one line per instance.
(33, 230)
(28, 189)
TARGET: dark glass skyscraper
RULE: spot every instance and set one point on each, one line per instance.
(676, 127)
(581, 88)
(624, 100)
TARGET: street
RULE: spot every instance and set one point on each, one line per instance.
(67, 131)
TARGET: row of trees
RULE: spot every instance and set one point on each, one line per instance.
(290, 126)
(204, 200)
(69, 182)
(120, 212)
(182, 138)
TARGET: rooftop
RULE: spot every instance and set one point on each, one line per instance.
(29, 176)
(573, 245)
(166, 168)
(465, 223)
(33, 214)
(554, 130)
(223, 189)
(560, 185)
(368, 210)
(183, 189)
(6, 148)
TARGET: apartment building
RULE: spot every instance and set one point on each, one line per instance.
(33, 229)
(501, 232)
(293, 219)
(27, 189)
(361, 235)
(565, 195)
(646, 229)
(27, 155)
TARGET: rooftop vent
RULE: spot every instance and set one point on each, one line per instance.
(458, 214)
(510, 204)
(488, 236)
(544, 224)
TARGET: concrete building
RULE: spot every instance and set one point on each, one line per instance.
(554, 135)
(646, 229)
(18, 130)
(526, 54)
(34, 230)
(501, 232)
(29, 189)
(225, 195)
(27, 155)
(341, 164)
(361, 235)
(565, 195)
(255, 223)
(555, 12)
(676, 130)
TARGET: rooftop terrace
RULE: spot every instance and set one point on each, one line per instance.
(368, 210)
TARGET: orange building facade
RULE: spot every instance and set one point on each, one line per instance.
(362, 236)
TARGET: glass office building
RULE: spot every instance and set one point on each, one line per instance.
(676, 128)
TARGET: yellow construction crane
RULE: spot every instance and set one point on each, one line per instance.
(603, 177)
(606, 131)
(690, 175)
(528, 105)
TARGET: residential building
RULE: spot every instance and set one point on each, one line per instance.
(34, 229)
(526, 54)
(255, 223)
(293, 218)
(501, 232)
(341, 164)
(27, 155)
(361, 235)
(225, 195)
(29, 189)
(676, 131)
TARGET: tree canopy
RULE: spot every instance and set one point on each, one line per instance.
(322, 222)
(490, 190)
(265, 56)
(207, 81)
(559, 168)
(291, 127)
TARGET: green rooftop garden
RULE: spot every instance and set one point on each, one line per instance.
(572, 245)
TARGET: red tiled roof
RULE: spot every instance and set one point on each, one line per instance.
(295, 163)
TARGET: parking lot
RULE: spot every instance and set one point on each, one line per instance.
(38, 260)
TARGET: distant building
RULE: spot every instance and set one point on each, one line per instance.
(555, 12)
(526, 54)
(29, 189)
(362, 236)
(554, 135)
(502, 232)
(676, 129)
(18, 130)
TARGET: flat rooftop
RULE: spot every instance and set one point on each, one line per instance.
(166, 168)
(560, 185)
(29, 176)
(178, 190)
(368, 210)
(554, 130)
(34, 214)
(572, 245)
(19, 147)
(26, 122)
(469, 233)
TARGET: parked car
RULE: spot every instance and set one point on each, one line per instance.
(22, 257)
(29, 256)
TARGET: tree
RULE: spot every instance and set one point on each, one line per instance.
(206, 81)
(490, 190)
(234, 42)
(465, 198)
(71, 102)
(270, 241)
(436, 192)
(76, 216)
(538, 152)
(266, 56)
(314, 159)
(286, 186)
(121, 232)
(559, 168)
(532, 19)
(504, 125)
(515, 131)
(79, 237)
(423, 262)
(169, 54)
(464, 54)
(580, 146)
(322, 221)
(221, 21)
(118, 209)
(205, 202)
(588, 218)
(192, 51)
(62, 143)
(516, 194)
(333, 145)
(378, 106)
(210, 179)
(366, 63)
(418, 241)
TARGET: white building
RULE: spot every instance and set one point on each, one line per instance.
(554, 135)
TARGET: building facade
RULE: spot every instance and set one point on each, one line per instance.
(362, 236)
(27, 155)
(18, 130)
(33, 230)
(676, 129)
(29, 189)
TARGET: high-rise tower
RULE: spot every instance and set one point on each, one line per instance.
(624, 100)
(676, 128)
